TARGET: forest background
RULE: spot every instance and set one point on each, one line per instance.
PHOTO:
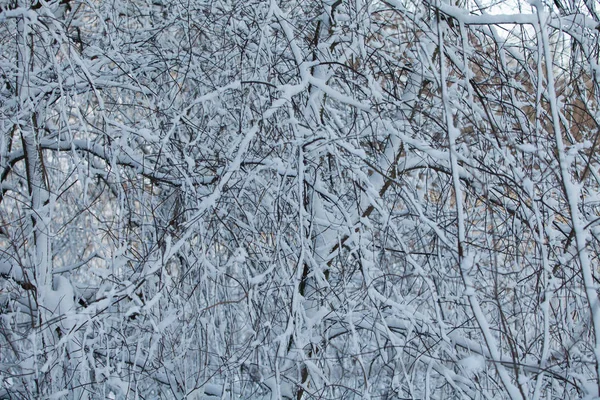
(299, 199)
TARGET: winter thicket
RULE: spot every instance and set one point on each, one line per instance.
(299, 199)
